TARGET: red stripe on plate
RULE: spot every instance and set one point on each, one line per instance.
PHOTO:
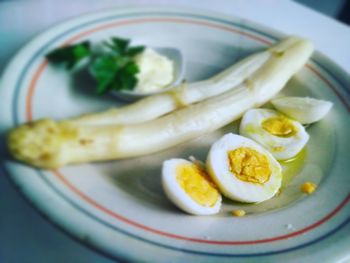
(30, 94)
(167, 20)
(318, 74)
(86, 198)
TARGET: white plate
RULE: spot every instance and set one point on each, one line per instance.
(119, 207)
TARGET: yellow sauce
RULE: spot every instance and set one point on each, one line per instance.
(292, 167)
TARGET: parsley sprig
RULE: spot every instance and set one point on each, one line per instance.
(113, 68)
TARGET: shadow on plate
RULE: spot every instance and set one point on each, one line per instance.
(4, 152)
(84, 85)
(141, 180)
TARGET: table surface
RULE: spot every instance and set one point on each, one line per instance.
(25, 235)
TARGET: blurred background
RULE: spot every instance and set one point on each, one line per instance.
(338, 9)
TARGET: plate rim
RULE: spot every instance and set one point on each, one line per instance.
(195, 11)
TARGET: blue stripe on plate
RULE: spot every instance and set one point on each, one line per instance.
(106, 224)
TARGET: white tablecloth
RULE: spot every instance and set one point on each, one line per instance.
(25, 236)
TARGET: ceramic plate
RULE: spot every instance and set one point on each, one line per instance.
(119, 207)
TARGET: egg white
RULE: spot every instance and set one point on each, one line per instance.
(218, 167)
(178, 195)
(303, 109)
(281, 148)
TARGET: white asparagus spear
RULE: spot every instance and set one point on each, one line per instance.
(51, 144)
(157, 105)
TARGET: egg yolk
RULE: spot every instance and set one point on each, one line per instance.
(249, 165)
(197, 184)
(279, 126)
(308, 187)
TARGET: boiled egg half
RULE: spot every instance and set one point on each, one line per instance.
(190, 188)
(280, 135)
(303, 109)
(243, 170)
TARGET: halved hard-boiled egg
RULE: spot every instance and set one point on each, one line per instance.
(303, 109)
(190, 188)
(281, 136)
(243, 170)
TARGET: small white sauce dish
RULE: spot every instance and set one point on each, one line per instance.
(173, 54)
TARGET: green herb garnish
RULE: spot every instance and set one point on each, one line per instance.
(70, 55)
(113, 68)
